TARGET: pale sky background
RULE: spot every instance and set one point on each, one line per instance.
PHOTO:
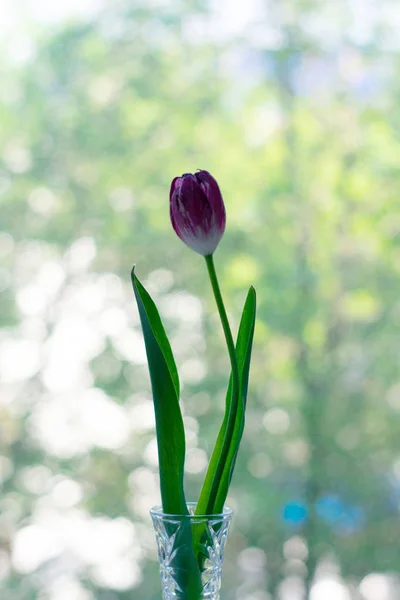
(15, 14)
(21, 21)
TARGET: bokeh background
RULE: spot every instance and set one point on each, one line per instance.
(294, 107)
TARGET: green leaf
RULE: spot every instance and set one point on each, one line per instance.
(165, 386)
(243, 352)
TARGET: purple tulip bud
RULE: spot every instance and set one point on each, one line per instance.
(197, 211)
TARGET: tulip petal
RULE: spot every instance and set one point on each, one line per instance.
(213, 193)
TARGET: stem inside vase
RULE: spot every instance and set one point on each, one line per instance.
(191, 551)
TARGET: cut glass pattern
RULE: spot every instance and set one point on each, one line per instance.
(191, 553)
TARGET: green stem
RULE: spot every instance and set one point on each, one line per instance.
(233, 407)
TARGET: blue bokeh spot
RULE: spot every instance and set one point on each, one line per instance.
(295, 512)
(342, 517)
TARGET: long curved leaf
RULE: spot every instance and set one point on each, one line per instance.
(243, 351)
(165, 386)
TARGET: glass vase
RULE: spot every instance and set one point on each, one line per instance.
(191, 553)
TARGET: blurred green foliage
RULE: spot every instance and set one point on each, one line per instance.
(302, 135)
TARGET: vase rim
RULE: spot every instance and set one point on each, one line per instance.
(157, 511)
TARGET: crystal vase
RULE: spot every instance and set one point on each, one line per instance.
(191, 553)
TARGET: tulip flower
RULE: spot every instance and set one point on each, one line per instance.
(197, 211)
(198, 217)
